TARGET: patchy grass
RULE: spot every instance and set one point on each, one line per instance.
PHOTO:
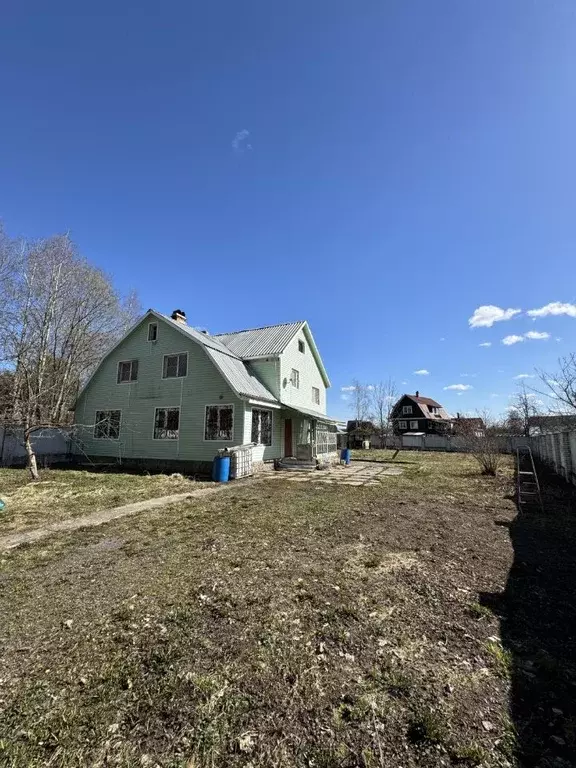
(273, 625)
(68, 493)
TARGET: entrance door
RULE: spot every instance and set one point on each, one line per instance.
(288, 437)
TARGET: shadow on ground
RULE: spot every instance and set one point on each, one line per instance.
(538, 627)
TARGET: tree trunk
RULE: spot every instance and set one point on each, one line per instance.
(32, 465)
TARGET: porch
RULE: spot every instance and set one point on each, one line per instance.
(309, 437)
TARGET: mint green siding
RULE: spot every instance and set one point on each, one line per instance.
(138, 400)
(268, 371)
(310, 376)
(265, 452)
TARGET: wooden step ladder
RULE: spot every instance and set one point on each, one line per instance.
(528, 485)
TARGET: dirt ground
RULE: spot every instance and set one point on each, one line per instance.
(419, 622)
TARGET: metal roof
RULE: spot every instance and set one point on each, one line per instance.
(202, 338)
(260, 342)
(311, 413)
(239, 375)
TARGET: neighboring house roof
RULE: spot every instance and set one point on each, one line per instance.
(363, 426)
(424, 403)
(469, 421)
(268, 341)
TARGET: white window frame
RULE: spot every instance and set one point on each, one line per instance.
(166, 408)
(262, 410)
(301, 346)
(219, 439)
(96, 422)
(150, 326)
(412, 423)
(316, 399)
(165, 366)
(295, 378)
(125, 362)
(406, 410)
(402, 425)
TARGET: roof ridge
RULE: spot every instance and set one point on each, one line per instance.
(260, 328)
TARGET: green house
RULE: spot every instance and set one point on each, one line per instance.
(171, 396)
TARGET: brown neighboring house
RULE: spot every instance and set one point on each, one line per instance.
(416, 414)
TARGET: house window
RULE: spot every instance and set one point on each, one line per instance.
(316, 395)
(166, 423)
(152, 331)
(175, 366)
(413, 425)
(107, 425)
(402, 425)
(261, 426)
(127, 371)
(301, 346)
(295, 378)
(219, 424)
(406, 410)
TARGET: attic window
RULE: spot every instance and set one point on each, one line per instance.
(127, 371)
(301, 346)
(175, 366)
(406, 409)
(152, 331)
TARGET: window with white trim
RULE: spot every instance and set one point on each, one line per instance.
(107, 425)
(295, 378)
(175, 366)
(261, 426)
(406, 410)
(219, 422)
(316, 395)
(301, 346)
(127, 371)
(402, 425)
(413, 425)
(166, 423)
(152, 331)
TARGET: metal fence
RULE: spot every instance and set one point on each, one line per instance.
(51, 446)
(558, 451)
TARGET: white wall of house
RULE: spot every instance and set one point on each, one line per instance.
(265, 452)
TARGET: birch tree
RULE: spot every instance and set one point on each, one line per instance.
(383, 397)
(59, 315)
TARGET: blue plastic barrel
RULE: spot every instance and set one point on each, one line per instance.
(221, 469)
(345, 455)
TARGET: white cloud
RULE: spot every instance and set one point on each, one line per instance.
(486, 315)
(459, 394)
(442, 338)
(370, 387)
(422, 372)
(459, 387)
(554, 308)
(404, 382)
(351, 388)
(494, 394)
(468, 375)
(485, 344)
(344, 397)
(524, 376)
(239, 143)
(537, 335)
(558, 338)
(513, 339)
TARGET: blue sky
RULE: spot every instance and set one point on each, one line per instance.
(381, 169)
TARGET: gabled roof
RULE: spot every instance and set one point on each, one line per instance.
(239, 376)
(269, 341)
(425, 403)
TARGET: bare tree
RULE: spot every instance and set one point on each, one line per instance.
(523, 410)
(383, 397)
(560, 386)
(59, 315)
(486, 446)
(360, 405)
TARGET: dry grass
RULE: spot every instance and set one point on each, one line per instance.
(281, 625)
(68, 493)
